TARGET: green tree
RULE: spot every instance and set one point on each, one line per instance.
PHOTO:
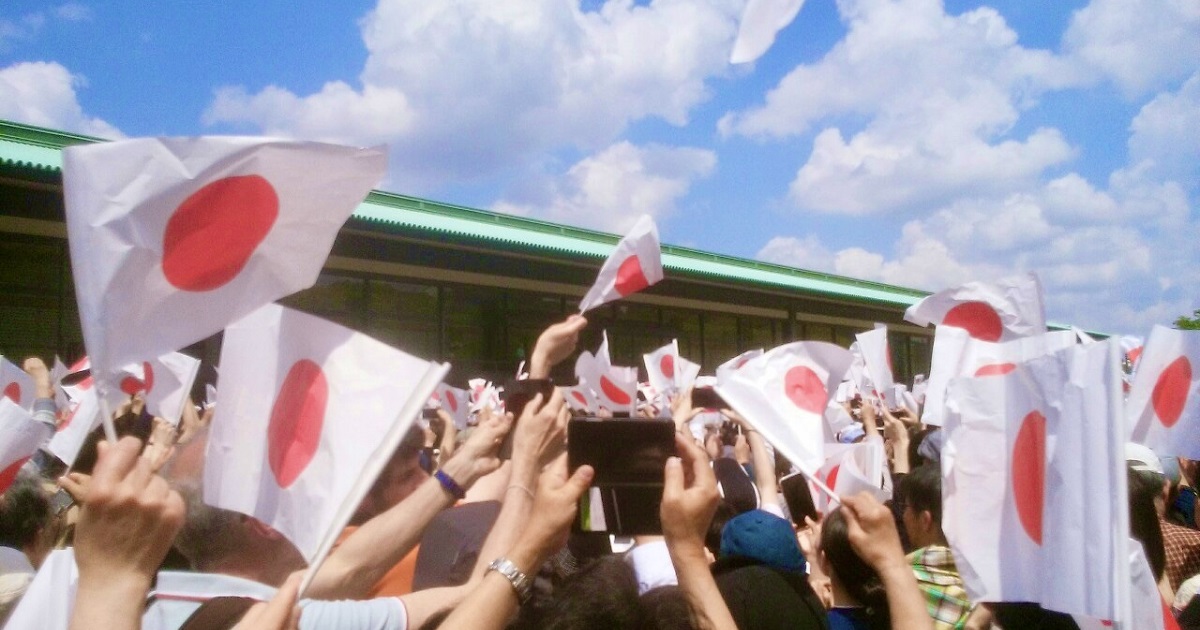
(1189, 323)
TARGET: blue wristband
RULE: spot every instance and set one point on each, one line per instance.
(449, 485)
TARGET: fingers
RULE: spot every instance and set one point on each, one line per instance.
(114, 461)
(579, 482)
(76, 485)
(280, 612)
(672, 479)
(695, 460)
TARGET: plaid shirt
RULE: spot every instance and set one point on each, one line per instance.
(938, 578)
(1182, 545)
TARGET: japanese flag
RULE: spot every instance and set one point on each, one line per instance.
(580, 398)
(783, 394)
(1045, 518)
(1163, 409)
(615, 387)
(726, 369)
(635, 265)
(166, 383)
(877, 356)
(81, 418)
(20, 436)
(310, 412)
(688, 372)
(989, 311)
(174, 238)
(761, 21)
(853, 468)
(15, 384)
(956, 353)
(662, 367)
(457, 402)
(77, 378)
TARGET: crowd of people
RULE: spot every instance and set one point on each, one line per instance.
(452, 535)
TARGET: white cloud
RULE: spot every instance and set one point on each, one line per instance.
(612, 188)
(43, 93)
(940, 93)
(1166, 134)
(1141, 46)
(73, 12)
(488, 86)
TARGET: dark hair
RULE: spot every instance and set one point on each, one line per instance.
(856, 576)
(24, 511)
(915, 438)
(921, 490)
(666, 608)
(712, 539)
(139, 425)
(601, 595)
(1144, 487)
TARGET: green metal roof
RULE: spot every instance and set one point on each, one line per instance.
(39, 149)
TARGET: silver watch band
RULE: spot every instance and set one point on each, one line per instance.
(519, 581)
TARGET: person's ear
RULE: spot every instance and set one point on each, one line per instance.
(926, 520)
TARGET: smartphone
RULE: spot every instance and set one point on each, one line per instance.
(516, 395)
(707, 398)
(798, 497)
(628, 457)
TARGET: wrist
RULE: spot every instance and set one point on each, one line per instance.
(538, 366)
(460, 471)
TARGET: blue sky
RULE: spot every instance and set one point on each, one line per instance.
(915, 142)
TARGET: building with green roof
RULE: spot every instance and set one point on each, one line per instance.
(463, 285)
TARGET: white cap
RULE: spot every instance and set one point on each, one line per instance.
(1140, 457)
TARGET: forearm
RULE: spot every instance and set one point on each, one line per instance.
(371, 551)
(905, 603)
(113, 602)
(422, 606)
(493, 602)
(900, 462)
(514, 512)
(699, 587)
(764, 469)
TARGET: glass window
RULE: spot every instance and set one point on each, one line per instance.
(901, 358)
(336, 298)
(758, 332)
(817, 332)
(474, 332)
(683, 325)
(528, 315)
(36, 299)
(405, 316)
(720, 340)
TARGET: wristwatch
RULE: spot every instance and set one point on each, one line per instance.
(519, 581)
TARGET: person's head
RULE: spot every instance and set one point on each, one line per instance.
(666, 608)
(849, 572)
(215, 540)
(601, 595)
(25, 518)
(763, 537)
(920, 452)
(921, 495)
(1143, 460)
(398, 479)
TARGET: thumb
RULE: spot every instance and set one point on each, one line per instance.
(579, 481)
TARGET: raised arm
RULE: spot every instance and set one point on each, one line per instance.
(373, 549)
(497, 597)
(873, 536)
(689, 501)
(764, 468)
(125, 528)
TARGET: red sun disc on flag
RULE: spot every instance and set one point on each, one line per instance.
(1029, 473)
(805, 389)
(297, 418)
(614, 393)
(630, 277)
(580, 398)
(666, 365)
(831, 478)
(213, 233)
(1171, 391)
(995, 369)
(451, 402)
(979, 319)
(12, 391)
(9, 474)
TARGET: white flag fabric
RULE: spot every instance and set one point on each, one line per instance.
(57, 373)
(783, 394)
(729, 367)
(990, 311)
(1034, 489)
(15, 384)
(662, 367)
(20, 437)
(956, 353)
(581, 398)
(853, 468)
(615, 387)
(165, 381)
(82, 417)
(1163, 409)
(761, 22)
(174, 238)
(50, 599)
(635, 265)
(457, 402)
(688, 373)
(877, 355)
(310, 411)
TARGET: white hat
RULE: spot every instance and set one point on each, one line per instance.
(1142, 458)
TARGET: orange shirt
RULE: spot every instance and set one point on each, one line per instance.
(398, 580)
